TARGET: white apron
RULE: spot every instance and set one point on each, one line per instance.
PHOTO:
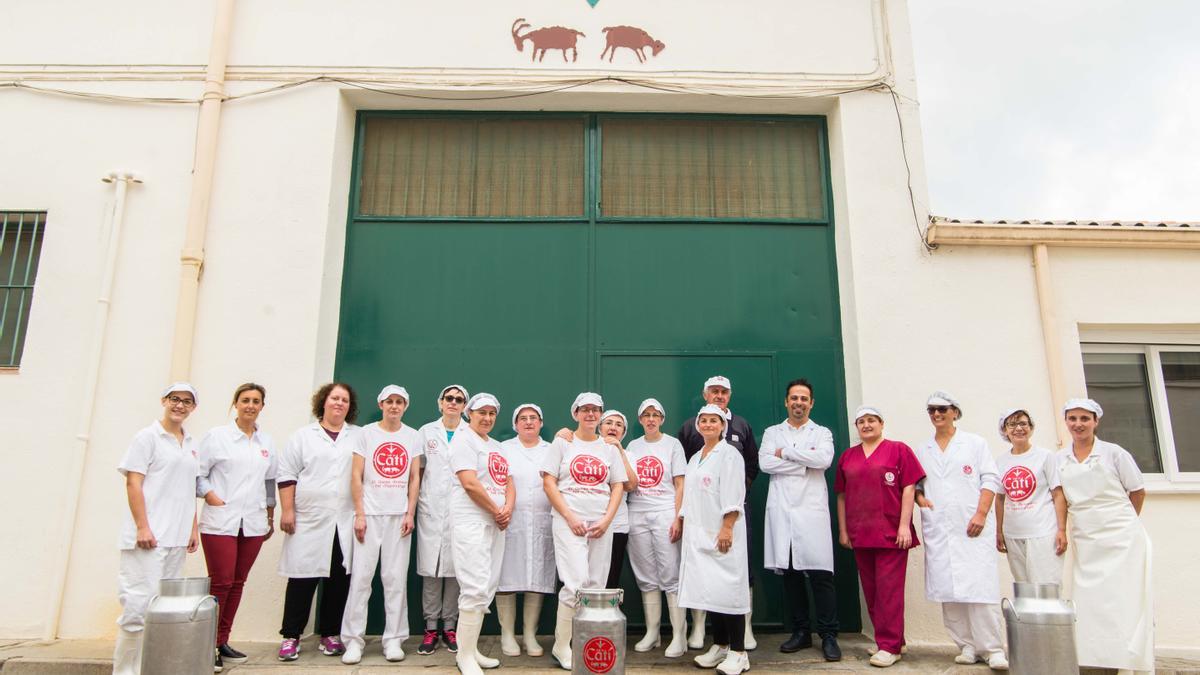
(798, 532)
(708, 579)
(434, 556)
(529, 542)
(321, 469)
(959, 568)
(1113, 595)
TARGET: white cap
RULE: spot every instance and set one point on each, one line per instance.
(616, 413)
(866, 410)
(652, 403)
(392, 389)
(466, 394)
(718, 381)
(586, 398)
(481, 400)
(517, 411)
(1084, 404)
(711, 409)
(181, 386)
(944, 398)
(1007, 414)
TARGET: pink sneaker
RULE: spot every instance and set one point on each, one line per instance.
(289, 650)
(332, 646)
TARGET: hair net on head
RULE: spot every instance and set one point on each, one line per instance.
(483, 399)
(392, 389)
(652, 403)
(586, 398)
(1084, 404)
(867, 410)
(466, 394)
(711, 409)
(616, 413)
(181, 386)
(1009, 413)
(944, 398)
(517, 411)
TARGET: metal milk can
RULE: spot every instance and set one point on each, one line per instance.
(1041, 630)
(181, 628)
(598, 633)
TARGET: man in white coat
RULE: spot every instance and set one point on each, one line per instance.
(955, 500)
(798, 542)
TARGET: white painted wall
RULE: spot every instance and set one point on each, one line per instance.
(961, 319)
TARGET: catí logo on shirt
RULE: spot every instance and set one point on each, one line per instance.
(390, 460)
(265, 454)
(588, 470)
(967, 470)
(650, 471)
(1019, 483)
(498, 468)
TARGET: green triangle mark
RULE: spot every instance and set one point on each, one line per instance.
(592, 2)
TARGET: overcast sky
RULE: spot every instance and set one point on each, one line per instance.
(1060, 109)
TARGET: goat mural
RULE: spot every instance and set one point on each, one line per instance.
(550, 37)
(631, 38)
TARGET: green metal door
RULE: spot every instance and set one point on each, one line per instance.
(538, 256)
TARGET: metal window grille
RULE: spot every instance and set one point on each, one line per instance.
(20, 248)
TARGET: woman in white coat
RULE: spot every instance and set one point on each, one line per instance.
(528, 566)
(1031, 512)
(1112, 576)
(318, 519)
(435, 563)
(481, 507)
(955, 500)
(655, 528)
(160, 471)
(713, 572)
(582, 478)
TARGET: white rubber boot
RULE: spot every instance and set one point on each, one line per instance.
(678, 616)
(529, 620)
(751, 643)
(561, 651)
(506, 612)
(652, 607)
(696, 641)
(469, 625)
(127, 656)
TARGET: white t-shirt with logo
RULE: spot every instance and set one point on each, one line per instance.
(1027, 480)
(585, 471)
(656, 464)
(469, 452)
(388, 461)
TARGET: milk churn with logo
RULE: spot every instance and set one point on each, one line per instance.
(1041, 630)
(598, 633)
(181, 629)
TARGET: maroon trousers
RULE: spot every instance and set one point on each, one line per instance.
(882, 572)
(229, 560)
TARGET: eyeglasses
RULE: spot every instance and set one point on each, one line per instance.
(594, 410)
(454, 399)
(185, 402)
(937, 408)
(1017, 425)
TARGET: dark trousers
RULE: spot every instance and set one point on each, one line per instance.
(229, 559)
(620, 541)
(297, 600)
(729, 629)
(823, 596)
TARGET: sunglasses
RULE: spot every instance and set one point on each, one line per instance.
(454, 399)
(937, 408)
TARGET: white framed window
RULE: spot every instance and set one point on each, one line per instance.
(1151, 399)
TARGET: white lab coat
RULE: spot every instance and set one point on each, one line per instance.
(321, 468)
(529, 543)
(959, 568)
(708, 579)
(797, 523)
(237, 468)
(434, 555)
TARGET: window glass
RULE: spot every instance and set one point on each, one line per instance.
(1181, 374)
(20, 248)
(1119, 383)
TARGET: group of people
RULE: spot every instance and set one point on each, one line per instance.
(526, 516)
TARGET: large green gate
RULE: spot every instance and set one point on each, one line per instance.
(536, 256)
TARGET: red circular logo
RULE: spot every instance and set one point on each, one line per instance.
(390, 460)
(599, 655)
(889, 477)
(265, 454)
(1019, 483)
(498, 468)
(650, 471)
(967, 469)
(588, 470)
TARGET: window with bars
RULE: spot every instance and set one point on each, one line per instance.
(20, 247)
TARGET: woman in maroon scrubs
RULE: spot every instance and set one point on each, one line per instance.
(876, 483)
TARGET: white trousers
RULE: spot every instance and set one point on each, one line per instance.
(655, 560)
(480, 547)
(975, 625)
(1033, 560)
(382, 546)
(582, 562)
(137, 580)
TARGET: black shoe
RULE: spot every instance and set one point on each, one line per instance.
(230, 654)
(797, 642)
(830, 648)
(218, 666)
